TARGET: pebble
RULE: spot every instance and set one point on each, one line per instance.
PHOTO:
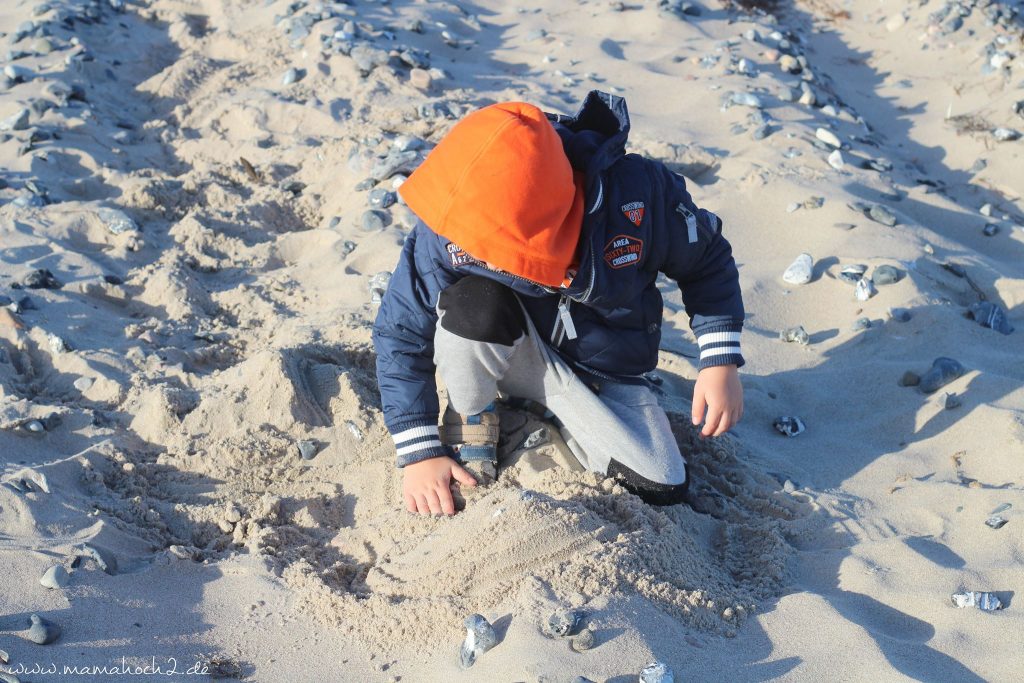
(1005, 134)
(789, 64)
(789, 425)
(372, 220)
(986, 210)
(347, 247)
(800, 271)
(795, 334)
(420, 78)
(35, 426)
(480, 638)
(564, 623)
(990, 230)
(379, 285)
(292, 75)
(885, 275)
(83, 383)
(42, 632)
(657, 672)
(357, 433)
(584, 641)
(103, 558)
(747, 99)
(394, 162)
(55, 577)
(57, 345)
(987, 602)
(853, 273)
(909, 379)
(17, 73)
(990, 315)
(116, 221)
(996, 522)
(16, 121)
(808, 98)
(895, 22)
(307, 449)
(861, 324)
(865, 289)
(835, 160)
(951, 401)
(881, 214)
(828, 137)
(381, 198)
(942, 372)
(900, 315)
(42, 46)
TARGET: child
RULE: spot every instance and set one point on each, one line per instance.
(532, 272)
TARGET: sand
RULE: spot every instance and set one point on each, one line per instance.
(202, 214)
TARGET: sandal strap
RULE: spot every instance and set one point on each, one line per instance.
(472, 434)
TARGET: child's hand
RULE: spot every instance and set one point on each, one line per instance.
(718, 391)
(427, 485)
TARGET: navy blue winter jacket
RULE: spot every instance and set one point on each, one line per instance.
(639, 221)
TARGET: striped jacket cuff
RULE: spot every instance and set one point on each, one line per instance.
(720, 345)
(416, 441)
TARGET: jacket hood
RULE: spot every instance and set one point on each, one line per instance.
(595, 136)
(500, 186)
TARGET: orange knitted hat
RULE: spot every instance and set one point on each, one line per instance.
(500, 187)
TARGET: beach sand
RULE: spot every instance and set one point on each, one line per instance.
(195, 177)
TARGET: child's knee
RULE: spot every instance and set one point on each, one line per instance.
(483, 310)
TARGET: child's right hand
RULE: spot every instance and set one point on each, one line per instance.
(427, 485)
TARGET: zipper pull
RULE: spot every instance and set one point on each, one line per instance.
(563, 313)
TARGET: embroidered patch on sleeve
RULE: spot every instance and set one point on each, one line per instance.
(459, 256)
(623, 251)
(634, 211)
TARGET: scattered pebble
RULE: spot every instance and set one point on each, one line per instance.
(16, 121)
(942, 372)
(657, 672)
(996, 522)
(116, 221)
(357, 433)
(951, 401)
(900, 315)
(799, 272)
(990, 230)
(909, 379)
(747, 99)
(1005, 134)
(292, 75)
(83, 383)
(988, 314)
(379, 285)
(35, 426)
(835, 160)
(381, 198)
(790, 426)
(865, 289)
(535, 438)
(987, 602)
(372, 220)
(420, 78)
(852, 273)
(57, 345)
(480, 638)
(583, 641)
(885, 275)
(40, 279)
(861, 324)
(828, 137)
(564, 623)
(55, 577)
(42, 631)
(881, 214)
(795, 334)
(308, 449)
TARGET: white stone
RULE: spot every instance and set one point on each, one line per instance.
(799, 272)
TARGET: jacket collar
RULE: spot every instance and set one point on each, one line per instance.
(595, 136)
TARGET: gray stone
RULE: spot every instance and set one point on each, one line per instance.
(861, 324)
(17, 73)
(990, 230)
(308, 449)
(900, 315)
(951, 401)
(909, 379)
(747, 99)
(42, 631)
(1005, 134)
(795, 334)
(800, 271)
(17, 121)
(564, 623)
(881, 214)
(885, 275)
(116, 221)
(852, 273)
(372, 220)
(583, 641)
(55, 577)
(381, 198)
(292, 75)
(394, 162)
(988, 314)
(943, 371)
(103, 558)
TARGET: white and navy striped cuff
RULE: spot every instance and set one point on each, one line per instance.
(719, 348)
(416, 443)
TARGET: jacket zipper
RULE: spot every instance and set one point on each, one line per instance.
(564, 326)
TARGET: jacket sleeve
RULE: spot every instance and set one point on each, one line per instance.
(699, 258)
(403, 336)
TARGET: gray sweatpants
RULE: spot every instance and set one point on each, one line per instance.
(617, 421)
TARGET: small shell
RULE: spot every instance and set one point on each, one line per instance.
(480, 638)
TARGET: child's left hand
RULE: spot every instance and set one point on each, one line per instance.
(719, 392)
